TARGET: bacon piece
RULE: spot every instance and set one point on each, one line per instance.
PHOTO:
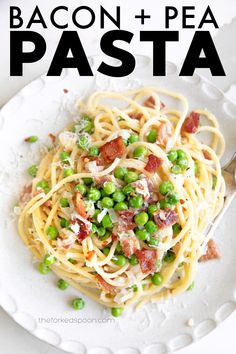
(182, 201)
(105, 286)
(150, 102)
(84, 230)
(79, 204)
(206, 154)
(65, 90)
(90, 255)
(52, 137)
(26, 193)
(48, 204)
(126, 221)
(153, 163)
(136, 115)
(164, 218)
(147, 259)
(165, 132)
(211, 253)
(129, 245)
(191, 123)
(112, 149)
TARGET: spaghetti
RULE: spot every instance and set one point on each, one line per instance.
(120, 205)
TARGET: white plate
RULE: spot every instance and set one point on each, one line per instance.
(43, 107)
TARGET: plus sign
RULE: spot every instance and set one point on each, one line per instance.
(142, 16)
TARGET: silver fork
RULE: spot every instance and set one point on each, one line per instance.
(229, 174)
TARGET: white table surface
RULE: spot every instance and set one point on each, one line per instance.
(14, 339)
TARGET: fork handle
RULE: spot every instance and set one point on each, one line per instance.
(231, 166)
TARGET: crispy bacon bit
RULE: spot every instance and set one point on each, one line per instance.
(126, 221)
(164, 218)
(90, 255)
(52, 137)
(114, 237)
(150, 102)
(206, 154)
(153, 163)
(162, 105)
(79, 205)
(191, 123)
(182, 201)
(165, 132)
(65, 90)
(136, 115)
(26, 193)
(104, 285)
(48, 204)
(129, 245)
(147, 259)
(211, 253)
(112, 149)
(84, 230)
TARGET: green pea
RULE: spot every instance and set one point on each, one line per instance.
(153, 241)
(118, 196)
(87, 181)
(196, 168)
(83, 142)
(169, 256)
(101, 231)
(72, 261)
(106, 251)
(151, 227)
(78, 304)
(157, 279)
(64, 156)
(172, 155)
(133, 260)
(106, 236)
(120, 172)
(32, 170)
(141, 219)
(94, 194)
(94, 151)
(166, 187)
(152, 136)
(183, 163)
(31, 139)
(109, 188)
(136, 202)
(119, 260)
(89, 126)
(68, 172)
(140, 151)
(43, 269)
(64, 223)
(176, 229)
(81, 188)
(121, 206)
(62, 284)
(214, 181)
(49, 259)
(128, 189)
(125, 142)
(107, 202)
(106, 222)
(43, 185)
(191, 286)
(52, 232)
(133, 138)
(118, 248)
(130, 177)
(181, 154)
(164, 204)
(134, 288)
(116, 311)
(152, 208)
(97, 211)
(142, 234)
(173, 198)
(176, 169)
(64, 203)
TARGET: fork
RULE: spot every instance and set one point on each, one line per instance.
(229, 174)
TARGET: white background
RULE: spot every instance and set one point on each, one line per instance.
(14, 339)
